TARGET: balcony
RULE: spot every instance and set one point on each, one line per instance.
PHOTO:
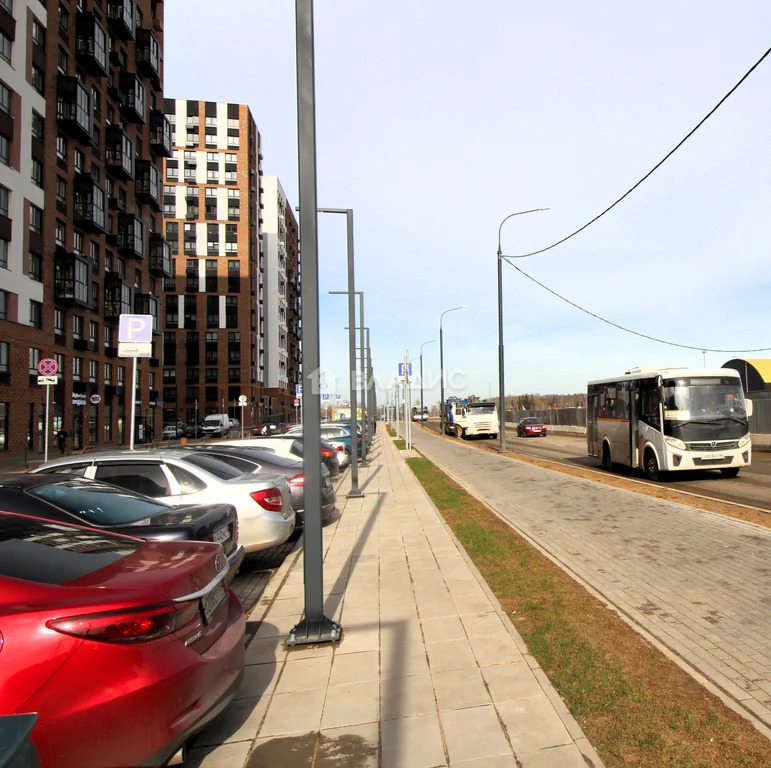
(90, 204)
(120, 17)
(73, 108)
(72, 280)
(148, 183)
(92, 45)
(160, 255)
(160, 134)
(149, 61)
(132, 98)
(131, 236)
(118, 153)
(117, 301)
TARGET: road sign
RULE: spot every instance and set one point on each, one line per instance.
(298, 390)
(338, 397)
(296, 402)
(242, 400)
(95, 399)
(325, 397)
(401, 369)
(48, 367)
(135, 335)
(47, 380)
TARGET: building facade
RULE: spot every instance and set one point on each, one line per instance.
(281, 299)
(213, 351)
(81, 147)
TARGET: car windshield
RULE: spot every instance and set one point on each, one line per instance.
(97, 503)
(481, 409)
(530, 421)
(214, 465)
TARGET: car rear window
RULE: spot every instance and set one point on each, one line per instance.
(53, 553)
(214, 465)
(98, 503)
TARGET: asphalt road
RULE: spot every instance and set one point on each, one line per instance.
(752, 487)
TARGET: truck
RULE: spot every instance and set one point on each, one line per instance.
(465, 419)
(216, 425)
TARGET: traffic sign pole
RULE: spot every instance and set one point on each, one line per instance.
(48, 401)
(133, 401)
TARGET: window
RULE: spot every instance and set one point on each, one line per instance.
(93, 370)
(231, 158)
(35, 219)
(61, 193)
(3, 305)
(35, 313)
(5, 47)
(38, 33)
(77, 327)
(4, 197)
(5, 98)
(37, 172)
(58, 321)
(4, 366)
(79, 160)
(36, 267)
(77, 368)
(64, 20)
(37, 126)
(38, 79)
(92, 331)
(77, 243)
(107, 335)
(5, 150)
(108, 373)
(3, 253)
(62, 61)
(60, 233)
(121, 375)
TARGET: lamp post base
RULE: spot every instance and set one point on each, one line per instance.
(310, 631)
(357, 494)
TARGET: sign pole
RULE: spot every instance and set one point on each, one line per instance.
(48, 398)
(133, 401)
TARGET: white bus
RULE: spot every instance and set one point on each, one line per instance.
(670, 419)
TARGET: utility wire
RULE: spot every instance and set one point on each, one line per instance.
(655, 167)
(629, 330)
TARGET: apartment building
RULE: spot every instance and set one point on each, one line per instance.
(281, 300)
(212, 205)
(82, 138)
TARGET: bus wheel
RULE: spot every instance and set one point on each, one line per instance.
(458, 432)
(651, 466)
(607, 462)
(730, 471)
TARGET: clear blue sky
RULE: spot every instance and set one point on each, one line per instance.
(436, 120)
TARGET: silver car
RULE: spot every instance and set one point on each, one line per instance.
(179, 476)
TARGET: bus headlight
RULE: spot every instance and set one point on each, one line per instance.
(745, 440)
(675, 443)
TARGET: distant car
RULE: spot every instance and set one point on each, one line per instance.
(264, 461)
(531, 427)
(179, 476)
(420, 416)
(100, 628)
(193, 430)
(292, 446)
(336, 433)
(172, 432)
(80, 501)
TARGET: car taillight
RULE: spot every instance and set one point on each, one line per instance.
(298, 481)
(327, 452)
(269, 499)
(340, 448)
(135, 625)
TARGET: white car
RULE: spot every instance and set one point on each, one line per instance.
(178, 476)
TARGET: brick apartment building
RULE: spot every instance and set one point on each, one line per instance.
(213, 349)
(82, 140)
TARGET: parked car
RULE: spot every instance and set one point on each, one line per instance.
(173, 431)
(337, 434)
(292, 446)
(261, 460)
(193, 430)
(93, 503)
(531, 427)
(216, 425)
(99, 630)
(177, 476)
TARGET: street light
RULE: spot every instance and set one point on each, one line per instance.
(430, 341)
(441, 361)
(501, 385)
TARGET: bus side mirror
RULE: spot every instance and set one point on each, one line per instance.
(748, 407)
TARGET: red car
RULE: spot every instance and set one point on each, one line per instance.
(124, 648)
(531, 427)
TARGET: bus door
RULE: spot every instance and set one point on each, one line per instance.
(634, 424)
(592, 436)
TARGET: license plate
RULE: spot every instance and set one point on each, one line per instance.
(712, 456)
(221, 535)
(211, 601)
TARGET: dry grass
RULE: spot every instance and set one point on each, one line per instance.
(637, 707)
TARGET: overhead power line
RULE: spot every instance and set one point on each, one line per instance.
(629, 330)
(655, 167)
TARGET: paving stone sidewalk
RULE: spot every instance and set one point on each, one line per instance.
(429, 671)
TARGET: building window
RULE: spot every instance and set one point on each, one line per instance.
(38, 80)
(3, 253)
(93, 370)
(62, 60)
(4, 198)
(61, 193)
(34, 359)
(77, 243)
(60, 233)
(93, 329)
(38, 33)
(36, 267)
(5, 150)
(108, 373)
(79, 160)
(61, 147)
(5, 47)
(4, 409)
(58, 321)
(77, 368)
(35, 219)
(121, 375)
(5, 98)
(77, 327)
(35, 313)
(3, 305)
(4, 365)
(64, 20)
(37, 172)
(37, 126)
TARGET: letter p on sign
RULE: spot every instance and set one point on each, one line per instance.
(135, 328)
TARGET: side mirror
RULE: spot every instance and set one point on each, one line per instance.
(748, 407)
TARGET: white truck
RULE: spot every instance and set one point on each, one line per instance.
(216, 425)
(464, 419)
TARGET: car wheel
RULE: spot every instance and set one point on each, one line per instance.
(651, 466)
(607, 460)
(458, 432)
(730, 471)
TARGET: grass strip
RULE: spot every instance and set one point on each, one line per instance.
(636, 706)
(401, 445)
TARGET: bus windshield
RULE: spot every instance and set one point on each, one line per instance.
(704, 408)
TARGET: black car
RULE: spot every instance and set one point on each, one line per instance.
(69, 499)
(263, 460)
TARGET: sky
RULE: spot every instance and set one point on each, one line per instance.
(436, 120)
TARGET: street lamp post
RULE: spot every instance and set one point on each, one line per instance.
(501, 384)
(441, 362)
(430, 341)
